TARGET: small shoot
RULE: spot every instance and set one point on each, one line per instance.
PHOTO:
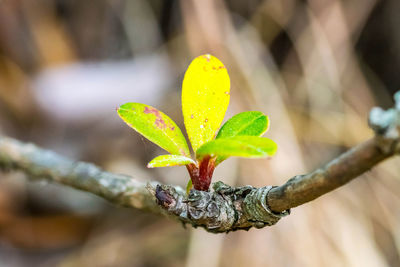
(205, 99)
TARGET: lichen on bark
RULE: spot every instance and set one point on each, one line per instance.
(222, 209)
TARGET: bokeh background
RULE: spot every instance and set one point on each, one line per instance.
(315, 67)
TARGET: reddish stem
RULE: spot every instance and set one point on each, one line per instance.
(193, 171)
(201, 176)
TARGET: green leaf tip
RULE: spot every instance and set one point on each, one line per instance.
(169, 161)
(249, 123)
(239, 146)
(155, 126)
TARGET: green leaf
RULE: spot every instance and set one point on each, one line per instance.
(169, 160)
(205, 98)
(189, 186)
(239, 146)
(155, 126)
(250, 123)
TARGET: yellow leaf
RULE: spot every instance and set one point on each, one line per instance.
(205, 98)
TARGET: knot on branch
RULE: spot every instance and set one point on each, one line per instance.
(386, 125)
(224, 209)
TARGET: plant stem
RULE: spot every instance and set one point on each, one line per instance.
(201, 176)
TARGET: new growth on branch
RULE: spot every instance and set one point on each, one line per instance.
(224, 208)
(205, 99)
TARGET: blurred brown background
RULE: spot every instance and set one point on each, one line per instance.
(315, 67)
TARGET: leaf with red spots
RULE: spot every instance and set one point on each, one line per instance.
(155, 126)
(169, 160)
(239, 146)
(205, 98)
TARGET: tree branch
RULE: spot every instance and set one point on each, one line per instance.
(39, 163)
(304, 188)
(225, 208)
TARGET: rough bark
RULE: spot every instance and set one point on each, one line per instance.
(224, 208)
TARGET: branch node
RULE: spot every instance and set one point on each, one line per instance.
(255, 206)
(224, 209)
